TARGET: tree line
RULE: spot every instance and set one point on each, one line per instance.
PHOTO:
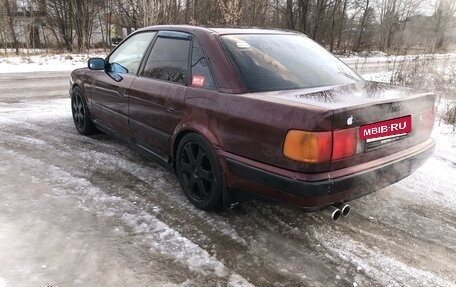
(78, 25)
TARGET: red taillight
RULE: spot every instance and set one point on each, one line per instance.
(310, 147)
(427, 120)
(344, 143)
(316, 147)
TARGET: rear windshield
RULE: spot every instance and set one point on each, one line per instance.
(268, 62)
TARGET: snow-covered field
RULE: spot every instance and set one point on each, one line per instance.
(45, 62)
(88, 211)
(376, 62)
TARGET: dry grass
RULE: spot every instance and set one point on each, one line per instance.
(431, 74)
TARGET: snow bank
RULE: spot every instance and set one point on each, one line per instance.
(388, 270)
(150, 231)
(378, 77)
(369, 54)
(3, 282)
(44, 63)
(445, 138)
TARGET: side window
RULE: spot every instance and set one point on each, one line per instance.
(201, 74)
(168, 60)
(127, 57)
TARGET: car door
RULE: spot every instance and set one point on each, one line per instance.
(109, 95)
(157, 95)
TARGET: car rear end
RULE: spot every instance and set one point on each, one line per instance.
(372, 144)
(346, 137)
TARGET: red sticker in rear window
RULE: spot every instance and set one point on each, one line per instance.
(386, 128)
(198, 81)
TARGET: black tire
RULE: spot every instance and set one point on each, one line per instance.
(199, 172)
(80, 112)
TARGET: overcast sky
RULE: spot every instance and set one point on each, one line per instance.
(428, 7)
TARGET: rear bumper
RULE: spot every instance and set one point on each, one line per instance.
(366, 179)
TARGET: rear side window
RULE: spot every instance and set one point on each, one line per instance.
(127, 57)
(201, 74)
(168, 60)
(272, 62)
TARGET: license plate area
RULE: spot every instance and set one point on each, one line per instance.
(377, 142)
(384, 132)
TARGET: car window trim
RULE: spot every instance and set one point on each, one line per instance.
(225, 52)
(178, 35)
(208, 65)
(283, 33)
(146, 55)
(175, 35)
(125, 40)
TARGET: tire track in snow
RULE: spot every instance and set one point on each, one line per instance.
(263, 243)
(159, 237)
(171, 213)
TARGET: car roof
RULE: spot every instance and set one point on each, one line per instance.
(221, 30)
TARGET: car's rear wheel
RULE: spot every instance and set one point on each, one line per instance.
(199, 172)
(81, 116)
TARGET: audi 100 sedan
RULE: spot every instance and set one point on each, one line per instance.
(269, 112)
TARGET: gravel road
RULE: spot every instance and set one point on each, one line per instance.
(88, 211)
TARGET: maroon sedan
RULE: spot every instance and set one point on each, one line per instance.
(265, 111)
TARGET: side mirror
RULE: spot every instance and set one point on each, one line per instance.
(96, 64)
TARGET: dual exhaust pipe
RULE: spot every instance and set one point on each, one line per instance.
(338, 210)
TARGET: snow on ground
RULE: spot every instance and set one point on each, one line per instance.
(159, 236)
(378, 77)
(46, 62)
(402, 235)
(445, 137)
(68, 61)
(380, 56)
(3, 282)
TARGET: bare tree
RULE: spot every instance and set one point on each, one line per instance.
(342, 23)
(363, 23)
(318, 19)
(84, 14)
(393, 15)
(335, 8)
(9, 6)
(231, 11)
(290, 15)
(444, 13)
(388, 18)
(3, 27)
(304, 6)
(255, 13)
(128, 14)
(358, 23)
(60, 20)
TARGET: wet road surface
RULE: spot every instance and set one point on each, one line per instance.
(88, 211)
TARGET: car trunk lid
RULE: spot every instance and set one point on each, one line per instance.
(382, 118)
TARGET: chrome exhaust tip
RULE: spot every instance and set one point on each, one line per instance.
(334, 212)
(344, 208)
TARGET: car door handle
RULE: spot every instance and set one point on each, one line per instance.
(123, 93)
(170, 106)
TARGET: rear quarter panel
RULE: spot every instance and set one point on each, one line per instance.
(252, 126)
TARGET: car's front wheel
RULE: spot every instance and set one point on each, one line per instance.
(80, 112)
(199, 172)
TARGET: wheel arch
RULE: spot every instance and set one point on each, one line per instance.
(80, 87)
(229, 197)
(184, 129)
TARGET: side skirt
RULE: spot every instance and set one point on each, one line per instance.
(133, 145)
